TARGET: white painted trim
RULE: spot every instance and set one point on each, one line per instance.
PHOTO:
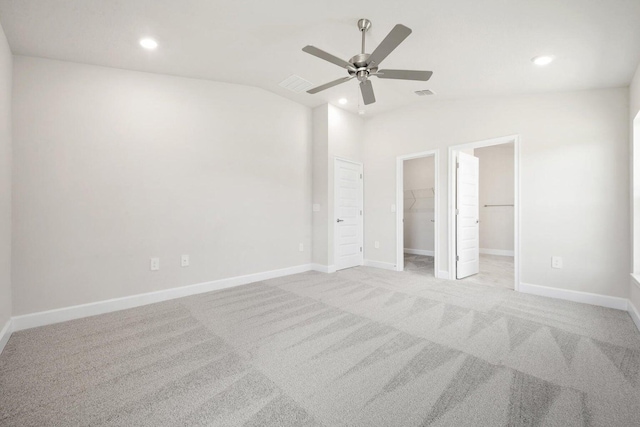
(337, 159)
(576, 296)
(418, 252)
(443, 274)
(379, 264)
(400, 205)
(5, 334)
(453, 150)
(501, 252)
(636, 279)
(634, 313)
(323, 268)
(107, 306)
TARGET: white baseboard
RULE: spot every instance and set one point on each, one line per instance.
(323, 268)
(634, 313)
(443, 274)
(418, 252)
(379, 264)
(501, 252)
(5, 334)
(85, 310)
(576, 296)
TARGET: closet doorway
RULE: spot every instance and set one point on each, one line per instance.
(484, 212)
(417, 213)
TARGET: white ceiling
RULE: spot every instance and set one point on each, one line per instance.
(475, 48)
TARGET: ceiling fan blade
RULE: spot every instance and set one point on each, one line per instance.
(404, 74)
(393, 39)
(327, 57)
(328, 85)
(367, 92)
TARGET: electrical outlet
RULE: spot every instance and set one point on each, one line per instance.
(184, 261)
(556, 262)
(301, 247)
(376, 245)
(155, 264)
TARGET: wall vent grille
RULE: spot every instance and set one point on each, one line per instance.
(424, 92)
(296, 84)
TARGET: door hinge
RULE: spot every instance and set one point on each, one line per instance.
(360, 176)
(360, 213)
(360, 248)
(457, 211)
(457, 165)
(457, 258)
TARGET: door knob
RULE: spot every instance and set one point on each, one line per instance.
(340, 220)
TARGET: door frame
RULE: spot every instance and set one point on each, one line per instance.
(400, 207)
(453, 157)
(337, 159)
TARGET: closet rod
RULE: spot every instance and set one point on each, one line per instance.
(491, 206)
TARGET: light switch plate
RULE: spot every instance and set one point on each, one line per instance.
(376, 244)
(301, 247)
(184, 261)
(393, 208)
(316, 207)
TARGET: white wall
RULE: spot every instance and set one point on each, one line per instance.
(112, 167)
(574, 179)
(634, 94)
(346, 131)
(496, 188)
(634, 119)
(336, 133)
(320, 170)
(6, 69)
(419, 176)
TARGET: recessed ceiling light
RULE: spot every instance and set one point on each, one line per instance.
(542, 60)
(148, 43)
(342, 101)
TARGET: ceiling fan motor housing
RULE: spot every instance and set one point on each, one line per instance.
(361, 71)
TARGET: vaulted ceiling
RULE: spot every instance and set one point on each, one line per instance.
(475, 48)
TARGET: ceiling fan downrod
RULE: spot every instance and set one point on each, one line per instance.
(363, 26)
(361, 60)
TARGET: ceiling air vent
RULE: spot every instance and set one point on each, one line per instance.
(296, 84)
(425, 92)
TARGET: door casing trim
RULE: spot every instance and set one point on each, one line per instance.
(453, 156)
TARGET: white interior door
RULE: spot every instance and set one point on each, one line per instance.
(467, 218)
(348, 214)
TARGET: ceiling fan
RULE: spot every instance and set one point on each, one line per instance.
(364, 65)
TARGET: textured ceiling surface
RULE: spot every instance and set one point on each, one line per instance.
(475, 48)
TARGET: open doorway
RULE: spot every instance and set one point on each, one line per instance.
(484, 192)
(417, 213)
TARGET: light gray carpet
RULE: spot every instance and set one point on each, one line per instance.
(495, 270)
(362, 347)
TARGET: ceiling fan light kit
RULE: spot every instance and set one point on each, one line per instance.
(364, 65)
